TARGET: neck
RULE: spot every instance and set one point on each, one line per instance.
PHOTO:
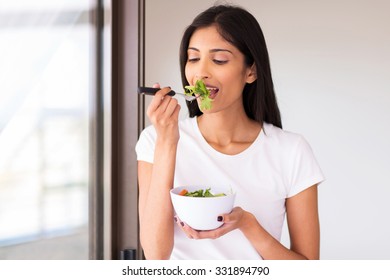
(225, 127)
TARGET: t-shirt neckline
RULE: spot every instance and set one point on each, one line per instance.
(204, 143)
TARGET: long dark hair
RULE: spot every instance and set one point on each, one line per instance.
(241, 29)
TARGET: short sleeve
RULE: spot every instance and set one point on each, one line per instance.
(145, 145)
(305, 170)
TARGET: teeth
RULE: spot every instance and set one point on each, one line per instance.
(212, 89)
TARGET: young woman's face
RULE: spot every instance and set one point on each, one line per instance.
(220, 65)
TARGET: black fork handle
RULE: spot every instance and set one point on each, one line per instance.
(152, 91)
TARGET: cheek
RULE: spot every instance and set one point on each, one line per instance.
(232, 78)
(188, 74)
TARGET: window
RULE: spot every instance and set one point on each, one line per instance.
(45, 53)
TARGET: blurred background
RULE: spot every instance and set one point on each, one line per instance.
(45, 52)
(70, 116)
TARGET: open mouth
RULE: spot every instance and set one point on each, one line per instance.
(213, 92)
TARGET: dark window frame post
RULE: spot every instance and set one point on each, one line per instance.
(96, 134)
(127, 122)
(113, 197)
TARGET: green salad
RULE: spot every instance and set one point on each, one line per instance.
(200, 89)
(200, 193)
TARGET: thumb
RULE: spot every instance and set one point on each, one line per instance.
(156, 85)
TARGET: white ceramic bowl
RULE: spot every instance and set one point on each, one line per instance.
(201, 213)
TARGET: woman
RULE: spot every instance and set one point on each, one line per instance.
(238, 142)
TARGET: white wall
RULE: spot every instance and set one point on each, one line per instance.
(331, 66)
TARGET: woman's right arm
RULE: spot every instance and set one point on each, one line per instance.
(156, 180)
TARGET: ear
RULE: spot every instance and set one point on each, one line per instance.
(251, 74)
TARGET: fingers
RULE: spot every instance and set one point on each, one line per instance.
(170, 106)
(201, 234)
(186, 229)
(163, 106)
(231, 221)
(158, 99)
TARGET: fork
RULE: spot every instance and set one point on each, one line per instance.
(152, 91)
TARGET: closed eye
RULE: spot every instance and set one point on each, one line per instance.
(193, 59)
(220, 62)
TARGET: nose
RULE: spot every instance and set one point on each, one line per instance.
(201, 77)
(202, 71)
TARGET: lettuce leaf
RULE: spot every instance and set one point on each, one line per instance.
(203, 193)
(200, 88)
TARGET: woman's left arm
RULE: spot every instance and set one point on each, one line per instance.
(303, 224)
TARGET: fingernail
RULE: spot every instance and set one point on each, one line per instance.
(182, 224)
(220, 218)
(175, 219)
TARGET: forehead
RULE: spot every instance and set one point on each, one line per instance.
(208, 37)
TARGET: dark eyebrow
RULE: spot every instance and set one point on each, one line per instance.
(211, 51)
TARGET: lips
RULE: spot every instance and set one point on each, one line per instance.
(213, 91)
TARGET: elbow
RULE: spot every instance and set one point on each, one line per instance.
(157, 251)
(156, 255)
(310, 257)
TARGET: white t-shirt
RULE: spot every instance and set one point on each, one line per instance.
(276, 166)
